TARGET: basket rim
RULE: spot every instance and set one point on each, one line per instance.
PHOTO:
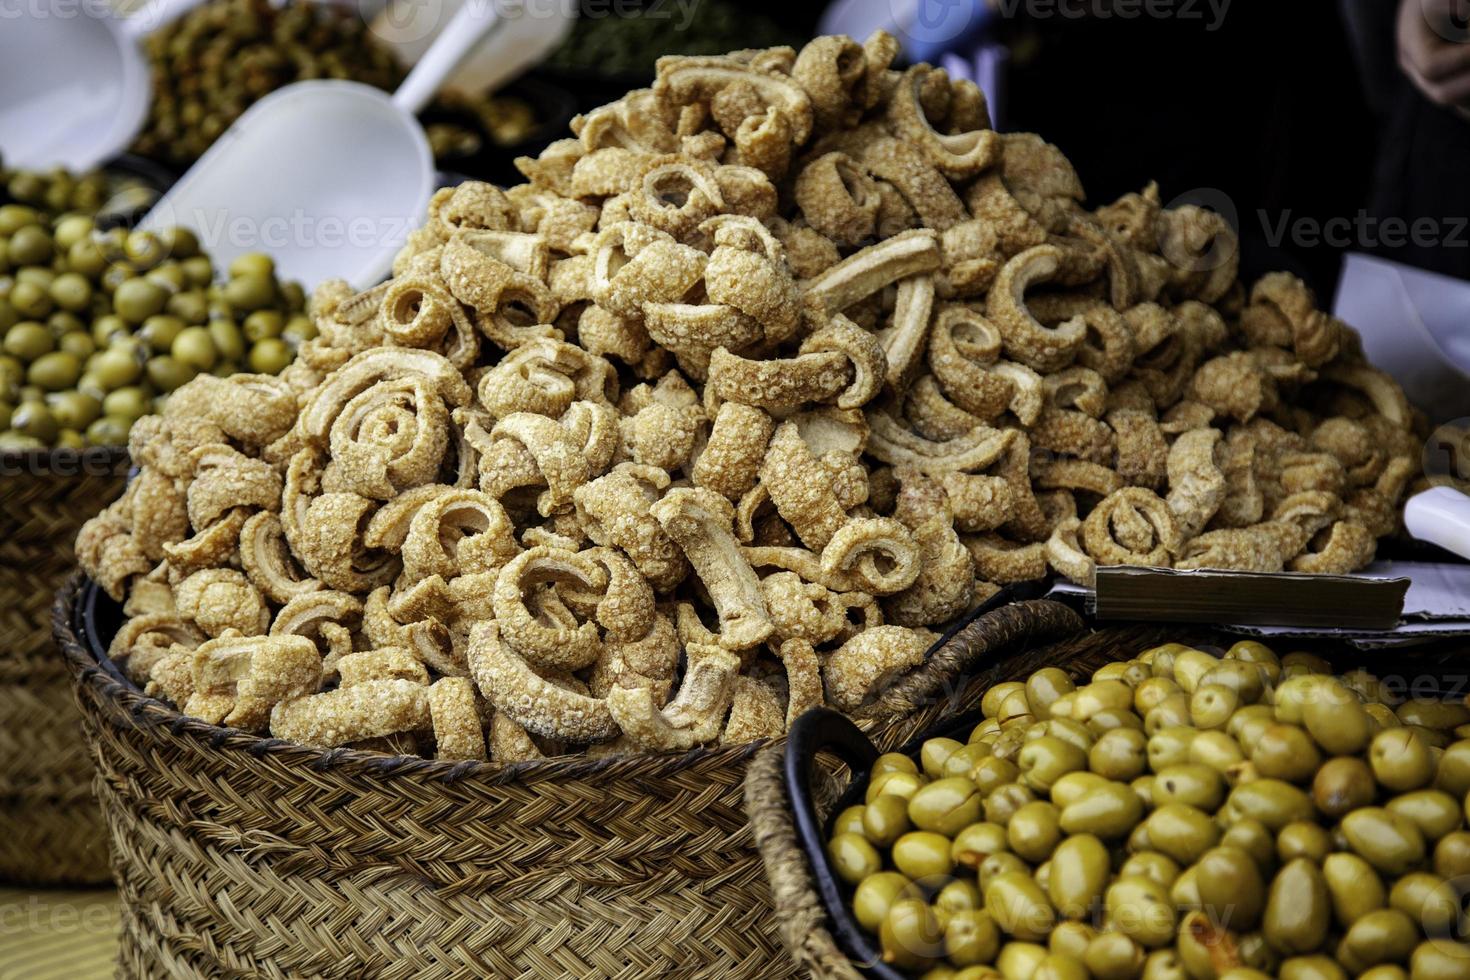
(87, 670)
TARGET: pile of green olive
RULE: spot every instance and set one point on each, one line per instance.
(1181, 816)
(97, 327)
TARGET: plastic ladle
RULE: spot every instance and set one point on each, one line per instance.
(327, 176)
(74, 85)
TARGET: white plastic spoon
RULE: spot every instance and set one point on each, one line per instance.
(74, 85)
(327, 176)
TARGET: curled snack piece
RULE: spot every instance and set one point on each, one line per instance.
(1001, 561)
(870, 269)
(220, 599)
(869, 661)
(1196, 485)
(238, 680)
(1348, 547)
(1132, 526)
(877, 555)
(1025, 339)
(963, 348)
(700, 522)
(756, 712)
(693, 717)
(327, 619)
(1247, 549)
(800, 489)
(535, 621)
(778, 385)
(956, 155)
(946, 580)
(732, 456)
(458, 532)
(533, 702)
(456, 719)
(1064, 553)
(800, 609)
(371, 709)
(615, 510)
(838, 199)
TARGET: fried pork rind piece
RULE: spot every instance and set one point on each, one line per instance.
(866, 663)
(238, 680)
(801, 323)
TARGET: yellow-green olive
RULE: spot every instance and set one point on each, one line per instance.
(1244, 973)
(944, 972)
(1185, 890)
(1019, 961)
(1452, 855)
(1142, 910)
(1354, 887)
(1075, 785)
(1298, 909)
(1000, 863)
(1435, 813)
(993, 703)
(1019, 906)
(1065, 729)
(959, 895)
(1170, 747)
(935, 752)
(922, 854)
(910, 936)
(1383, 715)
(1312, 968)
(1130, 672)
(1255, 953)
(1211, 705)
(894, 783)
(963, 760)
(1387, 971)
(1182, 832)
(1389, 842)
(992, 772)
(1080, 868)
(1044, 687)
(988, 727)
(1231, 887)
(1335, 718)
(1164, 965)
(893, 762)
(1108, 811)
(1430, 713)
(875, 895)
(1194, 785)
(1144, 787)
(1190, 666)
(975, 843)
(1151, 864)
(1248, 680)
(1113, 956)
(1059, 966)
(852, 857)
(971, 938)
(1150, 693)
(1218, 750)
(1062, 706)
(1247, 724)
(1343, 785)
(1381, 936)
(1071, 939)
(1201, 942)
(1401, 760)
(1440, 959)
(1172, 712)
(1286, 752)
(1047, 759)
(849, 821)
(1303, 839)
(1430, 901)
(1004, 801)
(885, 820)
(1034, 831)
(1271, 801)
(1121, 754)
(1100, 696)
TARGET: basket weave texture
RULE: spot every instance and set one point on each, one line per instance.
(51, 831)
(243, 856)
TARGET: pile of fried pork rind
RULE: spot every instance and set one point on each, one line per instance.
(776, 368)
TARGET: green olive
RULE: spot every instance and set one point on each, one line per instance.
(299, 329)
(1389, 842)
(922, 854)
(958, 895)
(1018, 905)
(1121, 754)
(1303, 839)
(74, 410)
(1005, 800)
(1080, 868)
(1067, 730)
(1141, 909)
(971, 938)
(1199, 941)
(1108, 811)
(252, 264)
(1182, 832)
(1230, 884)
(910, 935)
(945, 806)
(1164, 964)
(997, 864)
(158, 332)
(849, 821)
(71, 291)
(893, 762)
(12, 440)
(1045, 686)
(1298, 909)
(852, 857)
(1354, 887)
(975, 843)
(1218, 750)
(1452, 855)
(269, 357)
(1335, 718)
(875, 895)
(167, 373)
(131, 403)
(194, 348)
(28, 341)
(992, 772)
(1271, 801)
(1153, 692)
(1401, 760)
(1248, 680)
(1342, 785)
(1431, 713)
(1034, 831)
(250, 292)
(1435, 813)
(1113, 956)
(1286, 752)
(1190, 784)
(1385, 972)
(1453, 772)
(30, 246)
(109, 430)
(262, 325)
(1043, 761)
(935, 752)
(1431, 902)
(1100, 696)
(1060, 966)
(34, 419)
(1211, 705)
(1019, 960)
(1439, 959)
(1312, 968)
(115, 368)
(885, 820)
(54, 371)
(80, 344)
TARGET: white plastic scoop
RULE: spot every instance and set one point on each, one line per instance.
(327, 176)
(74, 85)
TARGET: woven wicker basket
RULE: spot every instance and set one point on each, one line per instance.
(794, 892)
(243, 856)
(51, 831)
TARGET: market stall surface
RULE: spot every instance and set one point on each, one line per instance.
(57, 934)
